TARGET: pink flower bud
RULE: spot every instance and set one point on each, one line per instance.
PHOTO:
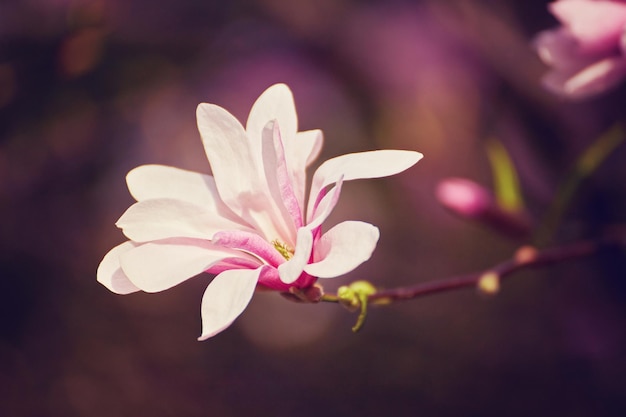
(472, 201)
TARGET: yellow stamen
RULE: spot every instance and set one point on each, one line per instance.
(283, 249)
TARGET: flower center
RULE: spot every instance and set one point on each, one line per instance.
(283, 249)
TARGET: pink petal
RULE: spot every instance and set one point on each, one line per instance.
(251, 243)
(225, 299)
(597, 25)
(343, 248)
(290, 271)
(558, 49)
(110, 273)
(325, 205)
(594, 79)
(164, 218)
(373, 164)
(277, 174)
(233, 263)
(270, 279)
(160, 265)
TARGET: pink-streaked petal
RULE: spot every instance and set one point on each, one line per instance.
(275, 103)
(325, 205)
(234, 263)
(597, 25)
(165, 218)
(558, 49)
(589, 81)
(110, 273)
(157, 266)
(270, 279)
(343, 248)
(225, 299)
(251, 243)
(238, 171)
(290, 271)
(277, 174)
(372, 164)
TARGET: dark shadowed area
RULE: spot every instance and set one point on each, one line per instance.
(90, 89)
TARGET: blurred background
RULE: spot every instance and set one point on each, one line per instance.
(90, 89)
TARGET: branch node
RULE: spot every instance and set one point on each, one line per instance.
(489, 283)
(525, 254)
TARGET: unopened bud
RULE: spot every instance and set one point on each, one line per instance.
(472, 201)
(347, 298)
(463, 197)
(352, 296)
(525, 254)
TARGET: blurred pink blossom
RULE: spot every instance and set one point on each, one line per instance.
(587, 54)
(472, 201)
(247, 223)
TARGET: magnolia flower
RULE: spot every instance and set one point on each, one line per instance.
(588, 53)
(249, 223)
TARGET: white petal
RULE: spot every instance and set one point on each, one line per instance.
(300, 148)
(343, 248)
(111, 275)
(160, 265)
(160, 181)
(327, 203)
(373, 164)
(225, 299)
(228, 150)
(308, 146)
(290, 271)
(164, 218)
(305, 149)
(275, 103)
(238, 170)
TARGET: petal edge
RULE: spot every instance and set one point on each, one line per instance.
(343, 248)
(225, 299)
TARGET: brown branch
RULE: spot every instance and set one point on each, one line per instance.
(526, 257)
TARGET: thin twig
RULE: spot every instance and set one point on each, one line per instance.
(525, 258)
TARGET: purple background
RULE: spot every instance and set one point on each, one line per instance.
(91, 89)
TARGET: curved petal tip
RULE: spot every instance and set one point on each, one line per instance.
(225, 299)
